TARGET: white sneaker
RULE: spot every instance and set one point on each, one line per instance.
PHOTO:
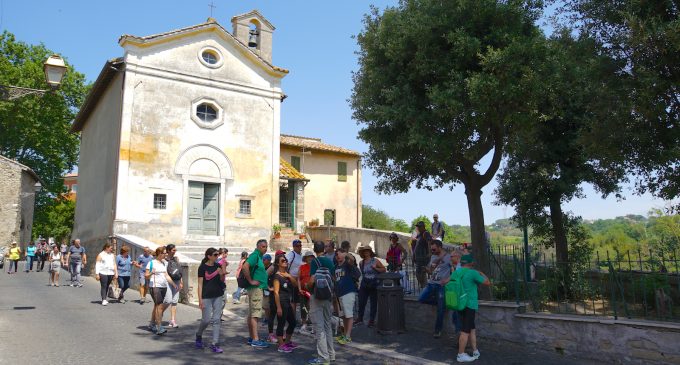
(464, 357)
(475, 354)
(105, 302)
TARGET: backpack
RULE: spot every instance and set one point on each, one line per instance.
(174, 270)
(241, 281)
(323, 282)
(455, 296)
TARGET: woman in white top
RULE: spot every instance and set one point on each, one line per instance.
(158, 279)
(106, 270)
(55, 265)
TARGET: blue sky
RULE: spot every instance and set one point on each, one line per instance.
(313, 39)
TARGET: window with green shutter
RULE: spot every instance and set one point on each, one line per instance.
(342, 171)
(295, 161)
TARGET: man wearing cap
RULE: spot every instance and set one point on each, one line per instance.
(437, 228)
(294, 258)
(421, 253)
(470, 278)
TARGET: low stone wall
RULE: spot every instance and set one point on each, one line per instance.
(602, 339)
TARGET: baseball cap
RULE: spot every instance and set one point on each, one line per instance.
(466, 259)
(266, 257)
(308, 253)
(297, 243)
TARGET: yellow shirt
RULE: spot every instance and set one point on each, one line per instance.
(14, 253)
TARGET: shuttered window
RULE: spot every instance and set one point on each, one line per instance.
(295, 161)
(342, 171)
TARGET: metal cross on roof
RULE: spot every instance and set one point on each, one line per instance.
(211, 6)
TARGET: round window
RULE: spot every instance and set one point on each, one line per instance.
(206, 112)
(210, 57)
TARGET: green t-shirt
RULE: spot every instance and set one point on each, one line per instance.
(471, 279)
(324, 261)
(260, 273)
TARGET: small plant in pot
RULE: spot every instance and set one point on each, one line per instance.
(276, 229)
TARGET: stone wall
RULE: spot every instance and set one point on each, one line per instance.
(17, 201)
(602, 339)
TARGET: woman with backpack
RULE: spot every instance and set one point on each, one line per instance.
(239, 291)
(284, 284)
(210, 297)
(157, 276)
(370, 267)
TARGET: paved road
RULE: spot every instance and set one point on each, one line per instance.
(70, 326)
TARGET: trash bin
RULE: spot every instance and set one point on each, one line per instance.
(390, 304)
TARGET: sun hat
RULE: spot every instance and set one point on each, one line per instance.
(308, 253)
(363, 247)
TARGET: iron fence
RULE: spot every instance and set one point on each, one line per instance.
(640, 284)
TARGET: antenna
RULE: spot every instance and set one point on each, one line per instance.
(212, 7)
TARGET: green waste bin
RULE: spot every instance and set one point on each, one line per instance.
(390, 304)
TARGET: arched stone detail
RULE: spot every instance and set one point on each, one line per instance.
(208, 152)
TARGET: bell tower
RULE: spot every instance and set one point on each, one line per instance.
(255, 31)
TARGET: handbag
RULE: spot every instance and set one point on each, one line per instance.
(114, 291)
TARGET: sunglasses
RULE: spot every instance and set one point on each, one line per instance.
(215, 254)
(283, 260)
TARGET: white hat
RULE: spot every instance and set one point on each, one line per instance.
(307, 253)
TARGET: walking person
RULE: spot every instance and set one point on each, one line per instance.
(175, 273)
(370, 267)
(55, 263)
(158, 278)
(239, 291)
(76, 258)
(421, 253)
(14, 255)
(471, 279)
(31, 251)
(254, 272)
(346, 277)
(284, 285)
(106, 270)
(320, 305)
(141, 263)
(42, 255)
(439, 270)
(210, 298)
(124, 265)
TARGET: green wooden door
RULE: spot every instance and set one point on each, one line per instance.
(203, 208)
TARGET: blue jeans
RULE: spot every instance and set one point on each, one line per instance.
(29, 263)
(433, 294)
(75, 272)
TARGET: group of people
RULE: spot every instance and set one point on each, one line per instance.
(56, 257)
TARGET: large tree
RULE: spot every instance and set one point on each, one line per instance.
(441, 85)
(645, 35)
(551, 159)
(35, 129)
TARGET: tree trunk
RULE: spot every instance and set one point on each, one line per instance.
(561, 245)
(478, 234)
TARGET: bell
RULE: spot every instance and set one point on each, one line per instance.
(252, 40)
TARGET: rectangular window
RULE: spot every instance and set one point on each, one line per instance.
(295, 161)
(244, 207)
(74, 188)
(342, 171)
(159, 201)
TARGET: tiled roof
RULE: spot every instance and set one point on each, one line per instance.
(288, 172)
(314, 144)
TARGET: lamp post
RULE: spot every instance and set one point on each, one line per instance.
(54, 68)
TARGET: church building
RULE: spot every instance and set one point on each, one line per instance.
(181, 142)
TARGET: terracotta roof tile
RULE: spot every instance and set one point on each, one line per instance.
(287, 171)
(314, 144)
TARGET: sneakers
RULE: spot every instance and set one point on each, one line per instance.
(318, 361)
(173, 324)
(293, 345)
(250, 341)
(272, 338)
(464, 357)
(216, 349)
(337, 338)
(475, 354)
(259, 344)
(199, 342)
(105, 302)
(344, 340)
(161, 330)
(307, 330)
(71, 285)
(80, 285)
(358, 323)
(285, 348)
(437, 334)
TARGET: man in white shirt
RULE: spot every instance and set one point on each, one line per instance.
(294, 258)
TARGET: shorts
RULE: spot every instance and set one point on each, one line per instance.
(347, 305)
(467, 320)
(172, 295)
(295, 296)
(267, 301)
(255, 302)
(158, 295)
(142, 281)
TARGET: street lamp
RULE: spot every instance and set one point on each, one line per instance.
(54, 68)
(37, 187)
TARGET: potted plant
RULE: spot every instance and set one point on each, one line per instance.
(314, 222)
(277, 230)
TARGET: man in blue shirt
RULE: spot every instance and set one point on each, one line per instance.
(346, 277)
(141, 263)
(320, 311)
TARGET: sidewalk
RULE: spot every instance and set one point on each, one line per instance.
(420, 348)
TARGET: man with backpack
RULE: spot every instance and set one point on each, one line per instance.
(175, 273)
(465, 282)
(321, 287)
(256, 277)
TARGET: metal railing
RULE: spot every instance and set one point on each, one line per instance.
(638, 284)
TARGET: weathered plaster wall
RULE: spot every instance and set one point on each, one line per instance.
(27, 206)
(162, 82)
(324, 191)
(14, 206)
(96, 170)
